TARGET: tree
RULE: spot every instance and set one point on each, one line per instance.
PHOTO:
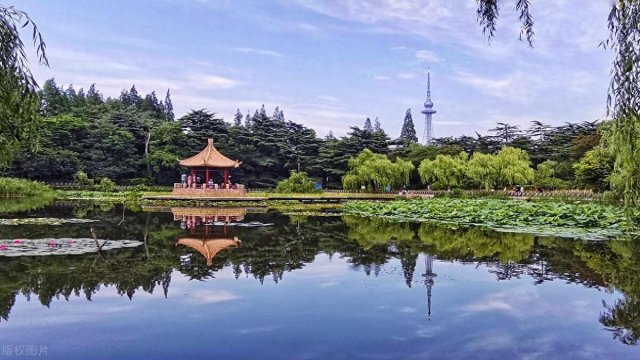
(168, 107)
(624, 89)
(594, 170)
(298, 182)
(545, 176)
(505, 132)
(367, 125)
(445, 170)
(408, 132)
(376, 172)
(19, 102)
(514, 166)
(377, 127)
(483, 169)
(237, 118)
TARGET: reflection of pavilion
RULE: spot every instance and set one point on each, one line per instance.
(207, 242)
(190, 217)
(429, 275)
(209, 247)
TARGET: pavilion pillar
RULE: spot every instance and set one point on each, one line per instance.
(226, 177)
(206, 177)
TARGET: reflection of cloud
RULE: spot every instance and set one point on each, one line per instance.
(254, 330)
(428, 332)
(407, 310)
(211, 296)
(489, 305)
(490, 341)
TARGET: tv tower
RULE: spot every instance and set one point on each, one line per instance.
(427, 137)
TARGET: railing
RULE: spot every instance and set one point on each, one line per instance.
(209, 186)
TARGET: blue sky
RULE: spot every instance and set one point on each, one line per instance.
(330, 64)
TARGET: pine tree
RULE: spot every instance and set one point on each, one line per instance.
(247, 120)
(93, 96)
(377, 127)
(408, 132)
(263, 112)
(168, 107)
(276, 114)
(237, 118)
(134, 97)
(367, 125)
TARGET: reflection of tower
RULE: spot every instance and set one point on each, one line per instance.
(427, 137)
(428, 279)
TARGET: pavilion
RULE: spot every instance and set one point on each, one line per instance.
(202, 170)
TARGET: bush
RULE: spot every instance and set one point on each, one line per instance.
(14, 187)
(298, 182)
(106, 185)
(82, 178)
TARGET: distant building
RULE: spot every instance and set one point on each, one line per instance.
(427, 137)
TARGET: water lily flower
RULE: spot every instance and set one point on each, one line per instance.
(17, 241)
(3, 247)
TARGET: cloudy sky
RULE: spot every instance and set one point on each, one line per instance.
(331, 63)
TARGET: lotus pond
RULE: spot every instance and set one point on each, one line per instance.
(238, 283)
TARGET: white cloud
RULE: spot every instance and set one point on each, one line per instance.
(381, 77)
(271, 53)
(427, 56)
(514, 86)
(406, 76)
(210, 81)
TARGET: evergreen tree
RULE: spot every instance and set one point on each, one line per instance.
(278, 115)
(54, 101)
(263, 112)
(377, 127)
(93, 96)
(367, 125)
(168, 107)
(408, 132)
(237, 118)
(247, 120)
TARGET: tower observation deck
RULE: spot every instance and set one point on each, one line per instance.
(427, 137)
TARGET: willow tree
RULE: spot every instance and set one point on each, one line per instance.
(483, 169)
(19, 101)
(514, 166)
(624, 90)
(376, 172)
(444, 170)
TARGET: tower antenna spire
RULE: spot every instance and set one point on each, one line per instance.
(427, 137)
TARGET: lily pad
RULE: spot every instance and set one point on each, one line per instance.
(60, 246)
(45, 221)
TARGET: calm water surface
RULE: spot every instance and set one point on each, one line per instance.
(312, 287)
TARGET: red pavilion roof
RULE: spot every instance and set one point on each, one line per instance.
(210, 157)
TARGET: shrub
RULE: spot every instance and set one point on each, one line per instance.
(298, 182)
(14, 187)
(106, 185)
(82, 178)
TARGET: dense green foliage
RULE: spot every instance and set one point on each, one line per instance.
(376, 172)
(297, 182)
(578, 219)
(18, 88)
(12, 187)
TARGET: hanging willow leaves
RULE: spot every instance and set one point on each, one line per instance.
(19, 101)
(624, 98)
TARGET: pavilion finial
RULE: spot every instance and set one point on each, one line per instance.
(210, 141)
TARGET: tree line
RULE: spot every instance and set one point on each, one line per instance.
(136, 139)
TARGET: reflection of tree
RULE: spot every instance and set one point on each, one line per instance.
(270, 252)
(618, 264)
(623, 319)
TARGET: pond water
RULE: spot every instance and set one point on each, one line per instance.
(310, 287)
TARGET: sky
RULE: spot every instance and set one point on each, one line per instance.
(329, 64)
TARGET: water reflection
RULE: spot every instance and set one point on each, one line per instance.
(198, 243)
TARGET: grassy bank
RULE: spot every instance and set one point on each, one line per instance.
(22, 195)
(584, 220)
